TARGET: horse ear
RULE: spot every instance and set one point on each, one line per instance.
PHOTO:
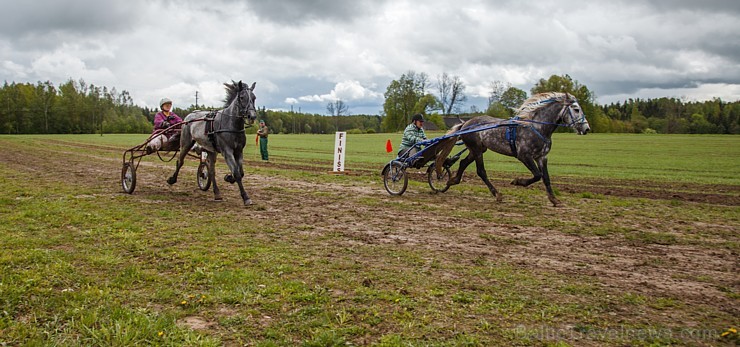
(253, 84)
(241, 85)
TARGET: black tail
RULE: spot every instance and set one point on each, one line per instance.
(444, 148)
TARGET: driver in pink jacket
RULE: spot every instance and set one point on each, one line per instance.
(163, 120)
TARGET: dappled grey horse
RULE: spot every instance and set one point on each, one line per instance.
(526, 137)
(222, 132)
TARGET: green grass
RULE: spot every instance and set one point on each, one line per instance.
(82, 264)
(708, 159)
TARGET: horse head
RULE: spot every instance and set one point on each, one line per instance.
(572, 115)
(245, 102)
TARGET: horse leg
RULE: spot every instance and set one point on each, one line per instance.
(546, 179)
(239, 159)
(212, 175)
(180, 160)
(236, 174)
(461, 169)
(532, 166)
(481, 170)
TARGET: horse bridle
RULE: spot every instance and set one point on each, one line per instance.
(250, 105)
(568, 107)
(240, 113)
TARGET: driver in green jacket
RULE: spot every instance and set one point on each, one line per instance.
(413, 134)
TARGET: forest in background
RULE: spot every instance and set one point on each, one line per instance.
(76, 107)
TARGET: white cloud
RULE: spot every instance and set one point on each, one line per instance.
(13, 70)
(61, 65)
(346, 91)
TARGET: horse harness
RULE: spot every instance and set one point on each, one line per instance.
(211, 130)
(511, 134)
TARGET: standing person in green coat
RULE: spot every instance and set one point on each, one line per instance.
(262, 133)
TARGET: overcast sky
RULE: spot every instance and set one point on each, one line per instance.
(305, 53)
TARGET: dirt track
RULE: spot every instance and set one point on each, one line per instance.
(696, 274)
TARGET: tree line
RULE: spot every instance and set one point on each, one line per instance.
(76, 107)
(287, 122)
(73, 107)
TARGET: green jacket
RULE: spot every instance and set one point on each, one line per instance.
(411, 136)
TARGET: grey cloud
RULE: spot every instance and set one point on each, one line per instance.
(20, 18)
(631, 87)
(719, 6)
(300, 11)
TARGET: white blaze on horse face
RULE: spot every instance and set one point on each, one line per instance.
(578, 119)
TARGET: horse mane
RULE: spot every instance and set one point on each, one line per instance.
(232, 91)
(537, 101)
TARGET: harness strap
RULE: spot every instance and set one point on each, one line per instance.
(209, 128)
(511, 135)
(547, 141)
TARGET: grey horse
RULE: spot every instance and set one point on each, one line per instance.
(526, 137)
(222, 132)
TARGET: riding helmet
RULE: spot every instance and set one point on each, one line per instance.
(416, 117)
(164, 101)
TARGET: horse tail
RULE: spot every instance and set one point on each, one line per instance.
(444, 148)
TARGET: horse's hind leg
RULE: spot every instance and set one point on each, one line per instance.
(461, 170)
(481, 170)
(212, 175)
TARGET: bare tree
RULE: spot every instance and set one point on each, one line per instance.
(451, 93)
(337, 108)
(497, 90)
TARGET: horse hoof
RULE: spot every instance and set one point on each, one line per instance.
(248, 202)
(519, 182)
(555, 202)
(171, 180)
(218, 198)
(229, 178)
(499, 198)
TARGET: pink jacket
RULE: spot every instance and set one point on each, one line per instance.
(161, 122)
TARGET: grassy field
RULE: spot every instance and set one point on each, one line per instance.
(326, 260)
(710, 159)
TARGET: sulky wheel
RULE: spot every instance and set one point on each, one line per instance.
(438, 183)
(395, 179)
(204, 182)
(128, 178)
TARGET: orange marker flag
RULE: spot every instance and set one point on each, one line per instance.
(256, 140)
(388, 146)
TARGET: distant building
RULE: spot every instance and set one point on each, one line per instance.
(452, 121)
(430, 126)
